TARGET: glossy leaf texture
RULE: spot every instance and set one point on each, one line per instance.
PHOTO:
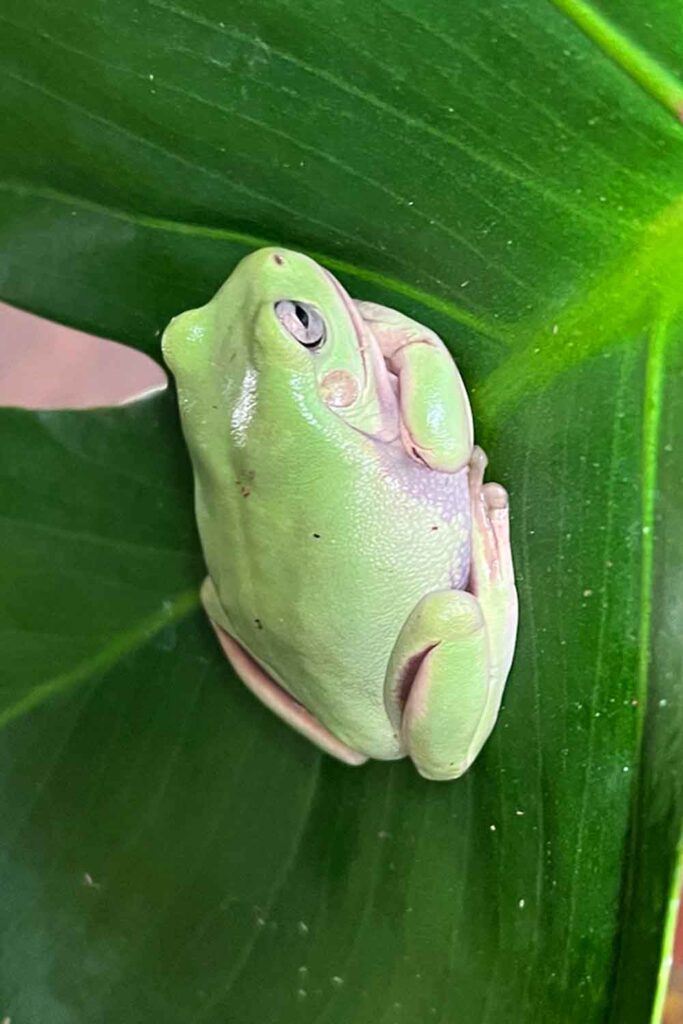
(511, 174)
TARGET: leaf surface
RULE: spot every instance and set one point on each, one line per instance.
(512, 175)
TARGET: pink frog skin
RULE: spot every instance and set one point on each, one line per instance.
(360, 578)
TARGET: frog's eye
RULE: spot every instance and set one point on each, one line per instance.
(302, 321)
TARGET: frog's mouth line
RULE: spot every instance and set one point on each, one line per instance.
(354, 317)
(380, 376)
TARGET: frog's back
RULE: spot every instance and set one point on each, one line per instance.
(324, 557)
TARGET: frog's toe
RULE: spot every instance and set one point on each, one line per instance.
(478, 464)
(495, 496)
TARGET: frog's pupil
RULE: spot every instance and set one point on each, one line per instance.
(302, 315)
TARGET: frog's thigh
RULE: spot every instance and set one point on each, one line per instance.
(273, 695)
(438, 681)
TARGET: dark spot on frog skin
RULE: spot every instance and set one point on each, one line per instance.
(435, 528)
(278, 259)
(317, 536)
(259, 624)
(246, 491)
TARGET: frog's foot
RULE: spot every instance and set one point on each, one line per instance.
(278, 700)
(490, 525)
(492, 581)
(492, 576)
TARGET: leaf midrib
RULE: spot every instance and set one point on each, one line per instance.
(440, 305)
(529, 367)
(118, 647)
(653, 79)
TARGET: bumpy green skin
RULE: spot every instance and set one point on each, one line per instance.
(341, 513)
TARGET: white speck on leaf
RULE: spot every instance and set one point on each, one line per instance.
(302, 928)
(521, 904)
(588, 592)
(337, 981)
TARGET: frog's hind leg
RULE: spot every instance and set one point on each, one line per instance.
(448, 669)
(270, 693)
(437, 683)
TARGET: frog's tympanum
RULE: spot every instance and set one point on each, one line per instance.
(359, 571)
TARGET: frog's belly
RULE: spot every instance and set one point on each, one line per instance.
(321, 607)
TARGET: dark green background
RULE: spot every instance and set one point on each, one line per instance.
(170, 851)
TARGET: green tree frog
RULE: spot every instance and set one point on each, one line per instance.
(360, 579)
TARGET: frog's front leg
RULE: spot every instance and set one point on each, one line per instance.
(447, 672)
(436, 420)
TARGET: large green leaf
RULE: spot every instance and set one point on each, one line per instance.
(512, 174)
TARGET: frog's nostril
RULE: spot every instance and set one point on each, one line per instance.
(278, 259)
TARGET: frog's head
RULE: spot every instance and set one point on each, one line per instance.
(284, 319)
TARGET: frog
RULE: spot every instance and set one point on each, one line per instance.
(359, 571)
